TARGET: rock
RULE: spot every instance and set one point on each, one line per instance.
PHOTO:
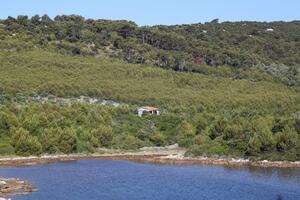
(2, 183)
(14, 187)
(174, 146)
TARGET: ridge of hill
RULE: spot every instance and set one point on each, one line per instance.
(240, 50)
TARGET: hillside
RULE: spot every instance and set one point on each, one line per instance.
(50, 73)
(226, 109)
(241, 49)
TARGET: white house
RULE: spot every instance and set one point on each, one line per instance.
(148, 110)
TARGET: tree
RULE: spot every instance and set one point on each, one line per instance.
(126, 30)
(36, 19)
(215, 21)
(23, 20)
(46, 20)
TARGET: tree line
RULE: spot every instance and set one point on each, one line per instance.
(195, 48)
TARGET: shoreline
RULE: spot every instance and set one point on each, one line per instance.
(154, 157)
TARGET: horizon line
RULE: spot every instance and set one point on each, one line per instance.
(220, 21)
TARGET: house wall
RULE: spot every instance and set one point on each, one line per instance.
(140, 112)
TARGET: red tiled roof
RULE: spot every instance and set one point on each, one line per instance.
(150, 108)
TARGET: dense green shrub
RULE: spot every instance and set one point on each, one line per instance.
(158, 139)
(24, 143)
(104, 135)
(130, 142)
(286, 139)
(209, 149)
(185, 134)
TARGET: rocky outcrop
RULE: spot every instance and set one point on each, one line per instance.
(11, 187)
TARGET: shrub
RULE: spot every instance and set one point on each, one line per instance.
(85, 147)
(286, 139)
(25, 144)
(185, 134)
(232, 132)
(6, 149)
(68, 141)
(254, 145)
(218, 128)
(131, 142)
(157, 139)
(201, 124)
(50, 140)
(297, 125)
(87, 142)
(104, 135)
(267, 140)
(202, 139)
(209, 149)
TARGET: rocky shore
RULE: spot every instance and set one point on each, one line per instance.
(158, 156)
(180, 159)
(11, 187)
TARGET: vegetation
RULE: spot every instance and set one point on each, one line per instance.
(240, 50)
(219, 93)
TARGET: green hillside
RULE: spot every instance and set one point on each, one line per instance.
(242, 49)
(224, 110)
(44, 72)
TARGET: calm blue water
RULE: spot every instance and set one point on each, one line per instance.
(101, 180)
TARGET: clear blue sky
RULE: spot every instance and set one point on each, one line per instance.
(159, 11)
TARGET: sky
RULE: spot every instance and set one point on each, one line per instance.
(154, 12)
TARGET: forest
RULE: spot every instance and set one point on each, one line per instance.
(239, 50)
(227, 89)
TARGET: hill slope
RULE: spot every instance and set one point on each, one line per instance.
(209, 115)
(231, 110)
(44, 72)
(268, 48)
